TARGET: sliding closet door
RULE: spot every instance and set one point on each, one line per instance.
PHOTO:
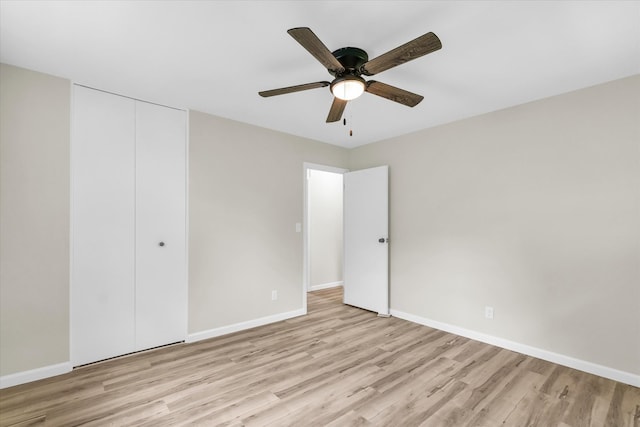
(103, 209)
(161, 292)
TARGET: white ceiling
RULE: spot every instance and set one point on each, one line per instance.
(214, 56)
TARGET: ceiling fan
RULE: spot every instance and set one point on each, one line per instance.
(348, 64)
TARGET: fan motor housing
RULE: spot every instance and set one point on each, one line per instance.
(351, 58)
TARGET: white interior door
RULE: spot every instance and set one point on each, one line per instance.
(161, 291)
(366, 233)
(103, 212)
(129, 288)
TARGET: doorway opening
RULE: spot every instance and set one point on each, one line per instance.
(323, 228)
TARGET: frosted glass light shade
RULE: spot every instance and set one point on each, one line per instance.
(347, 87)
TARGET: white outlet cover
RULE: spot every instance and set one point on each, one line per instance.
(488, 312)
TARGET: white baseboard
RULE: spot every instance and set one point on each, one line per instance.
(560, 359)
(62, 368)
(325, 286)
(223, 330)
(35, 374)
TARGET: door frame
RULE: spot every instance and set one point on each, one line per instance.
(306, 167)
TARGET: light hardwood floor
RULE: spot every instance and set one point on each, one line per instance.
(337, 366)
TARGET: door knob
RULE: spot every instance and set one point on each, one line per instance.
(161, 244)
(382, 240)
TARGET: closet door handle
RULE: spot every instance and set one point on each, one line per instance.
(161, 244)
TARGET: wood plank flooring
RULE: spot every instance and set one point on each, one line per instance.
(337, 366)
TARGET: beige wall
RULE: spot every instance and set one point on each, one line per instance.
(245, 198)
(534, 210)
(325, 227)
(34, 220)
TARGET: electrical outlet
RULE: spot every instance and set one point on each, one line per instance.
(488, 312)
(274, 295)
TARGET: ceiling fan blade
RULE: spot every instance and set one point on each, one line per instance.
(416, 48)
(291, 89)
(393, 93)
(337, 108)
(312, 43)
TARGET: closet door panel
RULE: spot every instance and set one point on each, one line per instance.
(161, 291)
(103, 203)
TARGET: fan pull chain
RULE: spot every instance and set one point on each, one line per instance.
(344, 123)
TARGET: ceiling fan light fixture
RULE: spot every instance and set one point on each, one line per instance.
(348, 87)
(347, 64)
